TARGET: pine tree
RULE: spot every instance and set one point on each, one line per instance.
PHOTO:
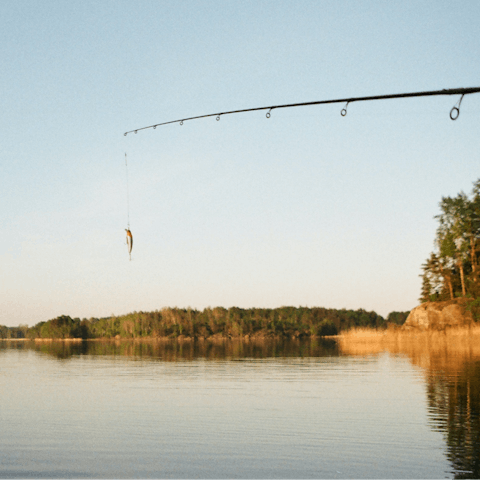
(453, 268)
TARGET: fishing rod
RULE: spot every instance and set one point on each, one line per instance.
(454, 112)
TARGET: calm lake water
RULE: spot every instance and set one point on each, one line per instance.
(271, 410)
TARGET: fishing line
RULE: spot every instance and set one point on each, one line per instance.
(454, 112)
(128, 198)
(129, 233)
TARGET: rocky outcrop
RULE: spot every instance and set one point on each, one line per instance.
(439, 315)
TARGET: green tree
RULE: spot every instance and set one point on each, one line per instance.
(453, 269)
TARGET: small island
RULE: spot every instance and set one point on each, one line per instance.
(210, 323)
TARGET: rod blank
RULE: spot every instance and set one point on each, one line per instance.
(451, 91)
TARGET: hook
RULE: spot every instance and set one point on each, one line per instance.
(218, 118)
(455, 111)
(268, 114)
(154, 127)
(135, 132)
(125, 134)
(181, 123)
(344, 110)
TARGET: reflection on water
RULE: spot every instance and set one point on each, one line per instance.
(290, 408)
(452, 375)
(171, 351)
(454, 407)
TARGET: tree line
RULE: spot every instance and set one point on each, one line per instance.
(219, 321)
(452, 270)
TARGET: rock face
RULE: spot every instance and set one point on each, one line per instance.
(439, 315)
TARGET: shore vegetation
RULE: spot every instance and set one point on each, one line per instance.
(292, 322)
(452, 270)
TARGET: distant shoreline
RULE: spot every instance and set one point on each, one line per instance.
(180, 338)
(354, 335)
(209, 323)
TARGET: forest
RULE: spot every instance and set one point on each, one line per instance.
(451, 271)
(210, 322)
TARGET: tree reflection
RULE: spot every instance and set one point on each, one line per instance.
(452, 371)
(454, 406)
(186, 350)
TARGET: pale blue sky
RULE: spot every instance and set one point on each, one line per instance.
(305, 208)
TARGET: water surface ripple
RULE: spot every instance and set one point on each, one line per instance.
(111, 412)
